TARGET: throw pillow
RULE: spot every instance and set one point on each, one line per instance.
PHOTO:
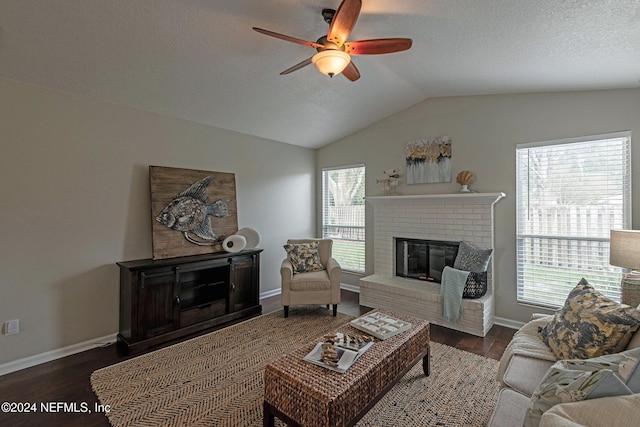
(576, 380)
(624, 364)
(589, 325)
(471, 258)
(304, 257)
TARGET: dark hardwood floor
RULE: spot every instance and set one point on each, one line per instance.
(66, 380)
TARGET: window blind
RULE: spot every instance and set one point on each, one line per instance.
(570, 194)
(343, 214)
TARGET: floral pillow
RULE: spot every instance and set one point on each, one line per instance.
(575, 380)
(471, 258)
(304, 257)
(590, 325)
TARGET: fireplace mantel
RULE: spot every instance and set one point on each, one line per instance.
(441, 199)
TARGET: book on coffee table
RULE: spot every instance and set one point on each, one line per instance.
(380, 325)
(346, 357)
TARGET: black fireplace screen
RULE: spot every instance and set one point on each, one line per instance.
(424, 259)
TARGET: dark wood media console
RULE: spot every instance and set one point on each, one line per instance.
(161, 300)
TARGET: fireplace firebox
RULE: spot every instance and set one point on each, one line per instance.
(424, 259)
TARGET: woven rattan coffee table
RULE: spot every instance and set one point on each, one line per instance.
(303, 394)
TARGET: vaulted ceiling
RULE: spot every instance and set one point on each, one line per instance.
(200, 60)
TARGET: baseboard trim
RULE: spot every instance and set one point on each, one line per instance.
(59, 353)
(351, 288)
(507, 323)
(270, 293)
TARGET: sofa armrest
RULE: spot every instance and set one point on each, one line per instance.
(526, 342)
(619, 411)
(536, 316)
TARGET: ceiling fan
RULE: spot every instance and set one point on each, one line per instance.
(334, 51)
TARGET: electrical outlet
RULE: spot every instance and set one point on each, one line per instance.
(12, 327)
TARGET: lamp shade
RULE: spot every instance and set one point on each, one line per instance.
(624, 249)
(331, 62)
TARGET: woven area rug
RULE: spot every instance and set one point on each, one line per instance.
(461, 390)
(217, 379)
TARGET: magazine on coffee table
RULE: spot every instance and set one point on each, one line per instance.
(380, 325)
(346, 356)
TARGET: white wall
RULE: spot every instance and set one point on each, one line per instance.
(485, 131)
(74, 195)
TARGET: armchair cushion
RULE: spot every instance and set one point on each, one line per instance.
(316, 280)
(304, 257)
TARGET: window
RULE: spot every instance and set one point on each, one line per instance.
(570, 194)
(343, 214)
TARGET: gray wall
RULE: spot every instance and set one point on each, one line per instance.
(74, 191)
(485, 131)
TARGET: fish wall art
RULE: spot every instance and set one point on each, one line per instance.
(193, 211)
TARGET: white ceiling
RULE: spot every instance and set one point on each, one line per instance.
(200, 60)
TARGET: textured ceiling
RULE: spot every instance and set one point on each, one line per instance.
(200, 60)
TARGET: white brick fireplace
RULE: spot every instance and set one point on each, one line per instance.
(449, 217)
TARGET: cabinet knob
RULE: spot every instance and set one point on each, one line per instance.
(233, 287)
(176, 301)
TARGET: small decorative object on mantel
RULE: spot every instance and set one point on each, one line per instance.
(465, 178)
(389, 182)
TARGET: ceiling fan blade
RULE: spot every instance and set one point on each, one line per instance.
(377, 46)
(344, 21)
(297, 66)
(288, 38)
(351, 72)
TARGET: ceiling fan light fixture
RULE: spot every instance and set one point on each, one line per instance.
(335, 49)
(331, 61)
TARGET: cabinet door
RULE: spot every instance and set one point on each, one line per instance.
(159, 304)
(243, 289)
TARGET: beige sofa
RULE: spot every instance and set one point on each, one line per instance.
(523, 365)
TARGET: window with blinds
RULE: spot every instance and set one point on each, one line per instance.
(570, 194)
(343, 214)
